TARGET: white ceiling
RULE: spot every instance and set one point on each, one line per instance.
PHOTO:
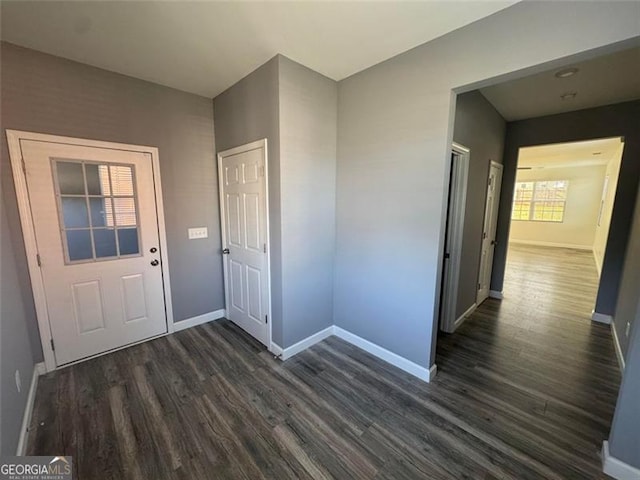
(600, 81)
(205, 47)
(574, 154)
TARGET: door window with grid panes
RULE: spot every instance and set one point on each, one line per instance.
(98, 214)
(541, 201)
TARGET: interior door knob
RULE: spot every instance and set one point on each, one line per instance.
(154, 263)
(225, 251)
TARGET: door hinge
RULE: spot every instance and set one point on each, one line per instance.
(490, 180)
(478, 286)
(266, 319)
(264, 247)
(484, 235)
(39, 259)
(53, 347)
(24, 166)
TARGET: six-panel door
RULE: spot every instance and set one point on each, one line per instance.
(244, 211)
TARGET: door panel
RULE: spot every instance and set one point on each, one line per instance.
(233, 219)
(254, 293)
(87, 306)
(134, 297)
(252, 221)
(94, 215)
(237, 290)
(245, 236)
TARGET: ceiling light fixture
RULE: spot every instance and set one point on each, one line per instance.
(566, 72)
(568, 95)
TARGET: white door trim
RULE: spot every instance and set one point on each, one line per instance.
(456, 216)
(272, 347)
(14, 137)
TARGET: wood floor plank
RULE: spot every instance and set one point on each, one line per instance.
(526, 390)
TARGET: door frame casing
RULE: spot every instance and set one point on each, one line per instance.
(500, 167)
(272, 347)
(14, 137)
(455, 226)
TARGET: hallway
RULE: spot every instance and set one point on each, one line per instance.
(550, 369)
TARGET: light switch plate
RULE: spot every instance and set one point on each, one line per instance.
(198, 232)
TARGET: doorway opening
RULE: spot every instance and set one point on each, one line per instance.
(454, 231)
(562, 206)
(533, 341)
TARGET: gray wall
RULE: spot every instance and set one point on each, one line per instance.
(609, 121)
(395, 123)
(629, 291)
(47, 94)
(479, 127)
(15, 347)
(246, 112)
(295, 108)
(308, 128)
(625, 432)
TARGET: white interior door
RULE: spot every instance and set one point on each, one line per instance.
(244, 214)
(96, 229)
(489, 231)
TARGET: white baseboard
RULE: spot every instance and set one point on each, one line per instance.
(38, 369)
(199, 320)
(459, 321)
(377, 351)
(617, 468)
(384, 354)
(496, 294)
(276, 349)
(306, 343)
(616, 344)
(551, 244)
(601, 318)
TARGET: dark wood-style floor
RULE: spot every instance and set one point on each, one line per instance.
(526, 390)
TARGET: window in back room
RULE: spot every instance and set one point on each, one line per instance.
(540, 201)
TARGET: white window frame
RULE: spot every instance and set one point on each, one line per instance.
(533, 201)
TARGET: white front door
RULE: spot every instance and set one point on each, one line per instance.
(96, 228)
(244, 242)
(489, 231)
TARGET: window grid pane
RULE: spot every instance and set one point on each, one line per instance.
(522, 201)
(542, 201)
(98, 211)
